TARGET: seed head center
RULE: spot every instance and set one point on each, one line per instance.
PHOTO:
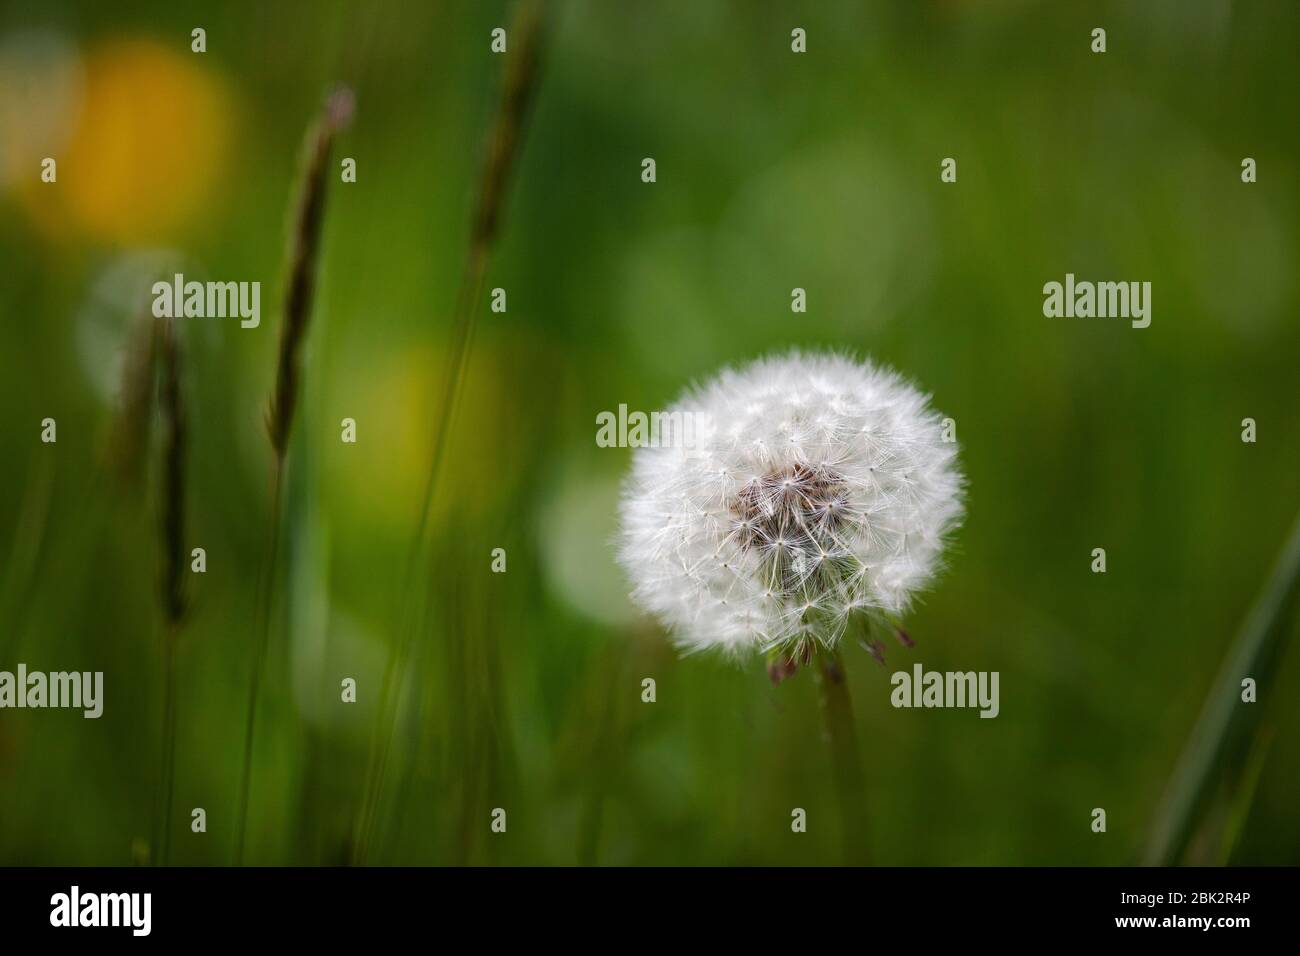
(794, 513)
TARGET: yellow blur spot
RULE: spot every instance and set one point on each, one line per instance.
(149, 146)
(396, 427)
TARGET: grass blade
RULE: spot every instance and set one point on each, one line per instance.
(304, 250)
(171, 593)
(505, 142)
(1227, 727)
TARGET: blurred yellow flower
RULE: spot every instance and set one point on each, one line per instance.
(147, 150)
(395, 414)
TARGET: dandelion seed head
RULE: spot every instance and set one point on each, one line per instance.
(816, 488)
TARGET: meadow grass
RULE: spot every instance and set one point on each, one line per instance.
(504, 143)
(172, 564)
(1224, 753)
(304, 251)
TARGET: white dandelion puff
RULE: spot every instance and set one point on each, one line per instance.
(816, 489)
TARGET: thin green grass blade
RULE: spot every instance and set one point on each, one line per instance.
(1228, 727)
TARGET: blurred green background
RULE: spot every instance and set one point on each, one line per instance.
(775, 170)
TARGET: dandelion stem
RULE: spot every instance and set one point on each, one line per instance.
(846, 759)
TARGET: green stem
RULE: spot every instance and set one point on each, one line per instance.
(846, 758)
(1227, 725)
(504, 144)
(167, 776)
(259, 659)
